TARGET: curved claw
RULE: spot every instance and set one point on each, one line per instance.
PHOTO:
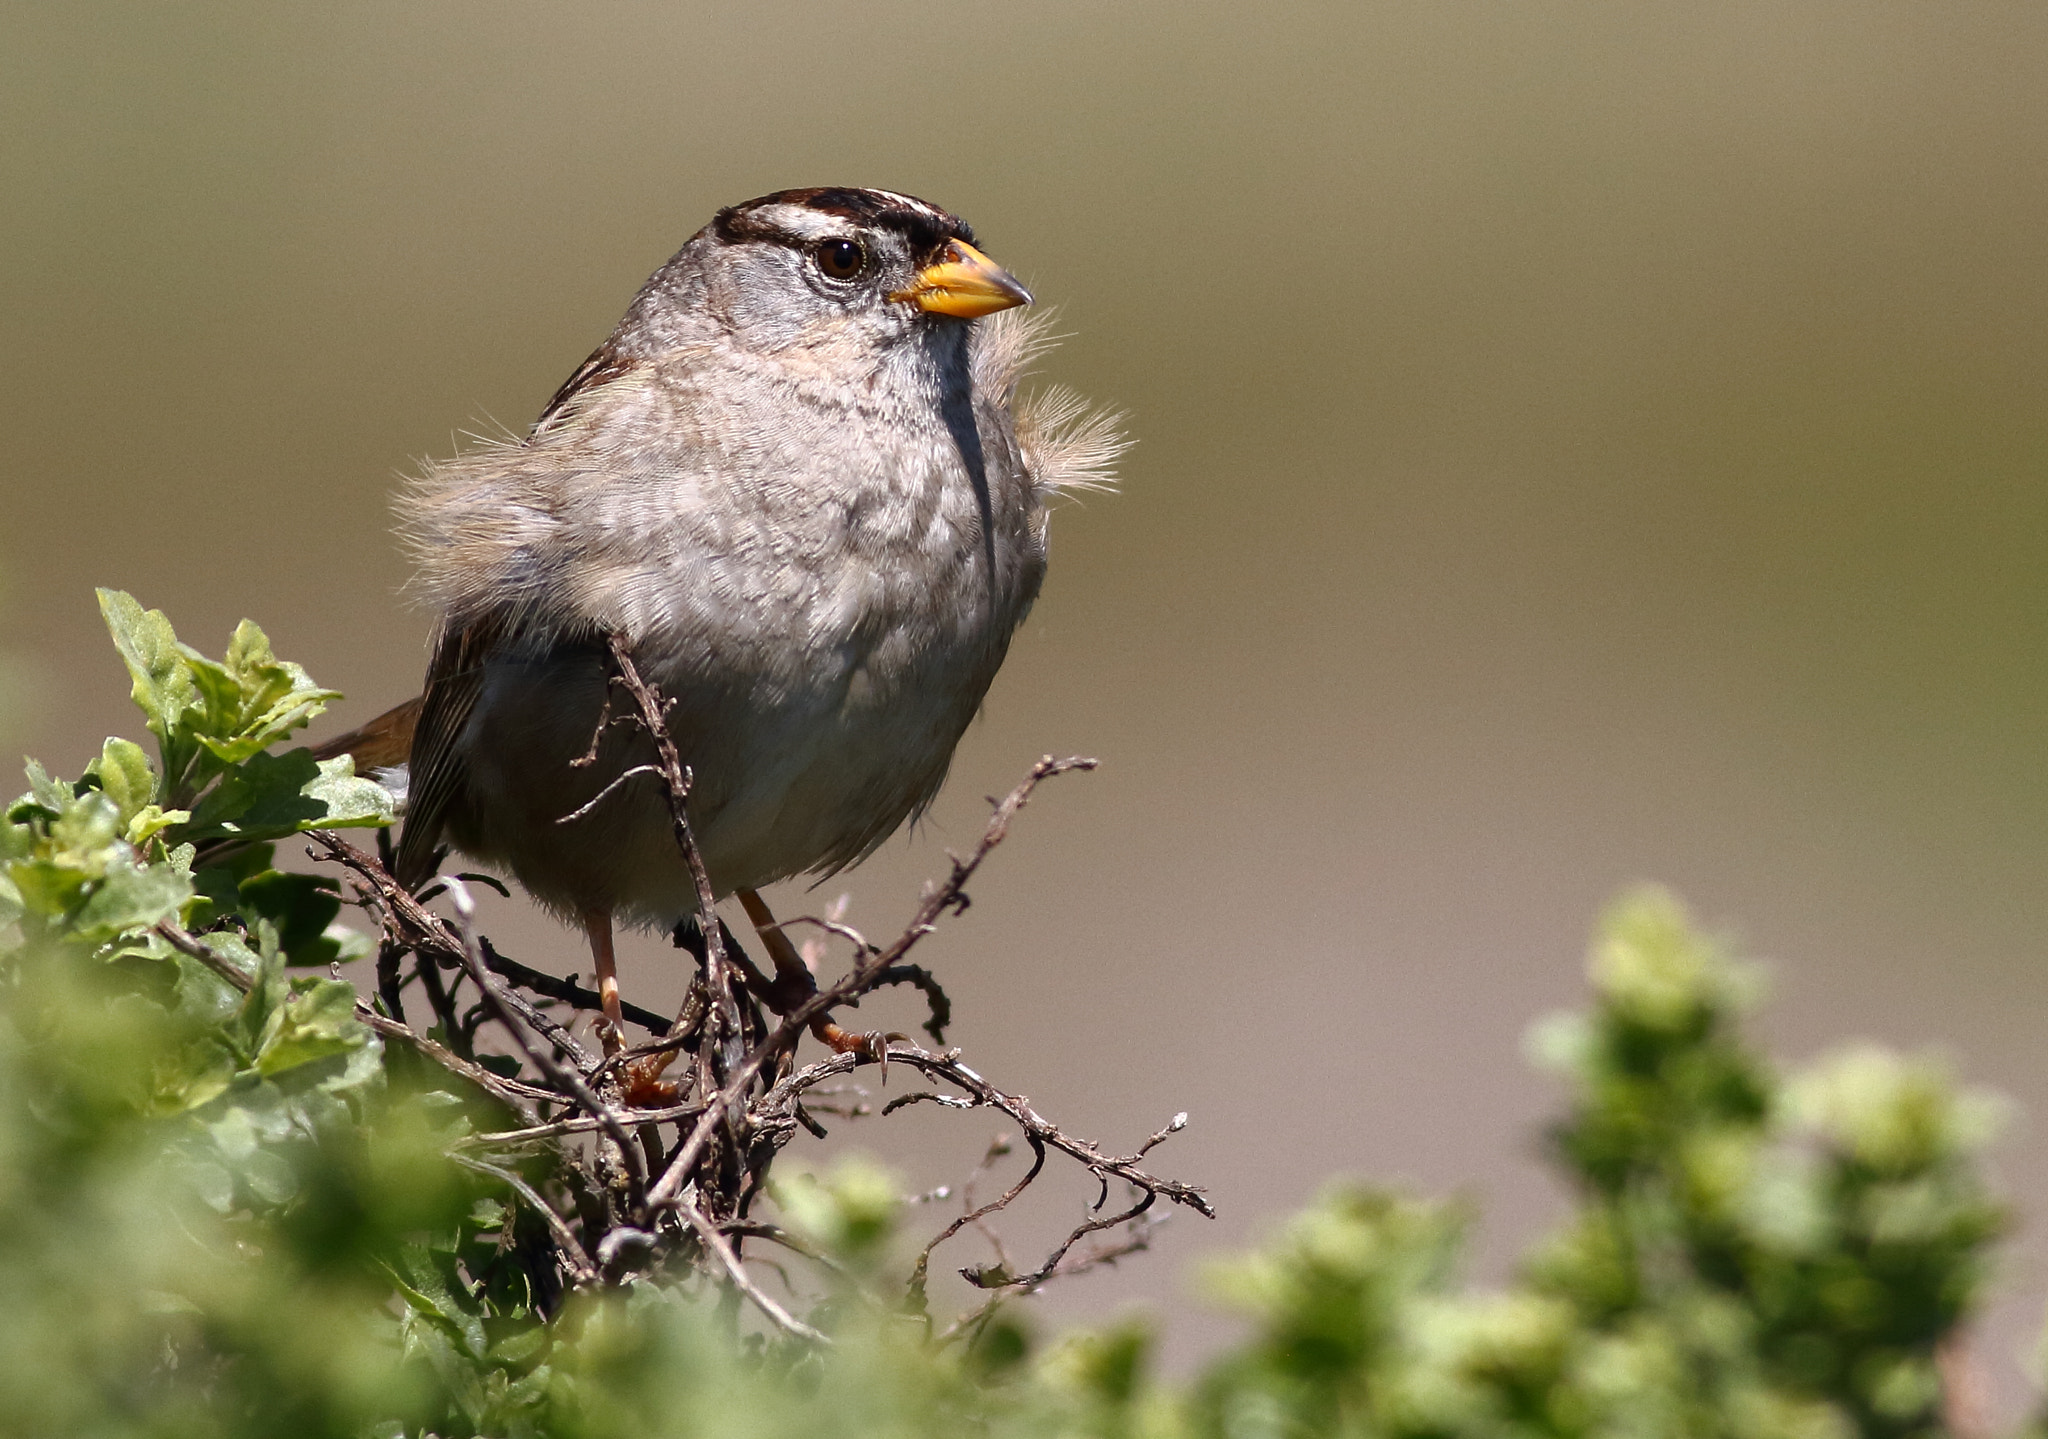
(872, 1045)
(645, 1088)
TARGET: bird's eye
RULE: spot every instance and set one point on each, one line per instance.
(841, 259)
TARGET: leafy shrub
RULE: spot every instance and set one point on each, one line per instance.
(228, 1205)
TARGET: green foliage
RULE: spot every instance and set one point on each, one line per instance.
(213, 720)
(229, 1212)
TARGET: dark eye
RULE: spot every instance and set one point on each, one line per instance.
(841, 259)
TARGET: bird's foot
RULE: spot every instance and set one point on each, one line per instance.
(785, 992)
(643, 1086)
(872, 1045)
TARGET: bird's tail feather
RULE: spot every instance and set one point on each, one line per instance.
(384, 743)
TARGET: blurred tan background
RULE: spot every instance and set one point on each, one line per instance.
(1578, 443)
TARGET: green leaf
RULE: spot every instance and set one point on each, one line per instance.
(351, 802)
(219, 711)
(152, 820)
(349, 945)
(131, 896)
(46, 793)
(263, 798)
(253, 699)
(302, 906)
(436, 1293)
(273, 795)
(364, 1069)
(1895, 1114)
(213, 1184)
(269, 1177)
(318, 1021)
(164, 689)
(520, 1346)
(62, 867)
(126, 778)
(45, 888)
(488, 1213)
(204, 998)
(86, 831)
(266, 996)
(851, 1211)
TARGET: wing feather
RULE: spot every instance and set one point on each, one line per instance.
(455, 678)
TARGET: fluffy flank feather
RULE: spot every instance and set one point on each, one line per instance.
(452, 522)
(1069, 445)
(1007, 344)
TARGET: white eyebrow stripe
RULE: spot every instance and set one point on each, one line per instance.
(807, 224)
(911, 202)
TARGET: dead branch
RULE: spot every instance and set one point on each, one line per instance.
(743, 1096)
(566, 991)
(574, 1259)
(1039, 1133)
(564, 1077)
(950, 896)
(653, 718)
(1136, 1240)
(412, 926)
(741, 1280)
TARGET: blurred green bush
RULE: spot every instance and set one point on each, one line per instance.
(231, 1213)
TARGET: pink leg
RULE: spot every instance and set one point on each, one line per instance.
(597, 924)
(794, 984)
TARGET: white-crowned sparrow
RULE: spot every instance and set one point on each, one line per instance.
(798, 481)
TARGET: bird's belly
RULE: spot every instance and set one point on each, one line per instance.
(802, 769)
(817, 786)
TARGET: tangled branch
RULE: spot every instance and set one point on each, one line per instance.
(656, 1172)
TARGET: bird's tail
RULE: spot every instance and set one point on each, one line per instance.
(384, 743)
(382, 750)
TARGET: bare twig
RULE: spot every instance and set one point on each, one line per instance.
(976, 1216)
(1172, 1127)
(585, 1125)
(441, 999)
(1039, 1133)
(980, 1093)
(915, 975)
(1136, 1240)
(599, 798)
(414, 926)
(390, 981)
(998, 1148)
(575, 1259)
(676, 778)
(938, 900)
(566, 991)
(830, 926)
(741, 1280)
(563, 1076)
(1051, 1266)
(936, 998)
(776, 1234)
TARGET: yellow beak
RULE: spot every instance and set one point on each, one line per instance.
(966, 284)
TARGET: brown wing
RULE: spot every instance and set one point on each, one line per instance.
(455, 678)
(604, 365)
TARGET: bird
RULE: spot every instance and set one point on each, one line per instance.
(800, 483)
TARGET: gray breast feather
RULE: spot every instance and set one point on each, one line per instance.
(825, 586)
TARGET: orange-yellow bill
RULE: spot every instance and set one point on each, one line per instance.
(966, 284)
